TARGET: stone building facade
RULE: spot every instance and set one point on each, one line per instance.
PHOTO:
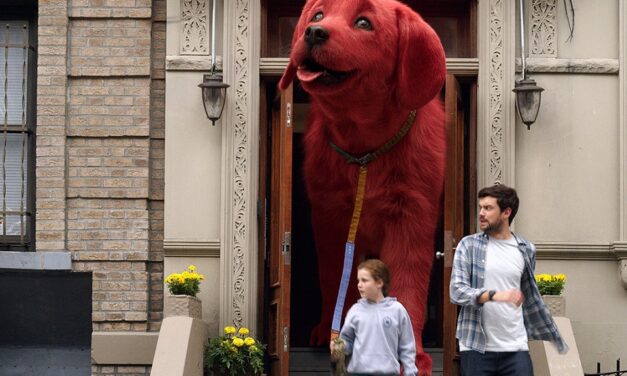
(101, 158)
(100, 155)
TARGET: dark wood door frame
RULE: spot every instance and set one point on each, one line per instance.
(459, 194)
(275, 224)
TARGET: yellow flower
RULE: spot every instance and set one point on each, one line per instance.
(243, 331)
(229, 330)
(191, 268)
(561, 277)
(253, 348)
(238, 342)
(249, 341)
(181, 279)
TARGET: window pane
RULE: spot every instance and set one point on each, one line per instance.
(13, 181)
(13, 60)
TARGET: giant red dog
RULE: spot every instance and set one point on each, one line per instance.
(366, 65)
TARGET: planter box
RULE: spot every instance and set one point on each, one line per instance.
(183, 305)
(556, 304)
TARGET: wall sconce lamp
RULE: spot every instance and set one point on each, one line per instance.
(528, 100)
(213, 95)
(528, 94)
(213, 89)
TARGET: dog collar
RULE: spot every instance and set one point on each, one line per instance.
(369, 157)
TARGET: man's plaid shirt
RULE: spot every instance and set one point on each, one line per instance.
(467, 285)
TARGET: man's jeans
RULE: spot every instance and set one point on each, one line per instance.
(474, 363)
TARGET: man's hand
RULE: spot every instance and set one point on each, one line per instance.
(513, 296)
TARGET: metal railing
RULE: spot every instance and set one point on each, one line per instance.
(618, 371)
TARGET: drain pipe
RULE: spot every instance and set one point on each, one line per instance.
(522, 39)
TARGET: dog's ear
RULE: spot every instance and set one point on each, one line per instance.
(299, 30)
(421, 68)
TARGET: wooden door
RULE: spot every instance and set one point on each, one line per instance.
(453, 210)
(280, 222)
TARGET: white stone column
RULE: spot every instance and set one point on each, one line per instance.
(622, 76)
(496, 109)
(240, 128)
(620, 248)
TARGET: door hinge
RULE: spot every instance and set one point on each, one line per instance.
(288, 113)
(287, 247)
(286, 337)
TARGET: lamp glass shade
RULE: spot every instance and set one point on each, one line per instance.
(528, 98)
(213, 96)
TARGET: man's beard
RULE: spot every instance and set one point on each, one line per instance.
(493, 228)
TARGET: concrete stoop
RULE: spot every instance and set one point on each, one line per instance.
(180, 347)
(548, 362)
(314, 361)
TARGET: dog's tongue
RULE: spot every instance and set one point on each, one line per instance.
(307, 76)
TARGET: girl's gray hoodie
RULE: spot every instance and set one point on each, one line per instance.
(380, 338)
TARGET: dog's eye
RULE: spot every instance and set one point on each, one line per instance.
(317, 17)
(363, 23)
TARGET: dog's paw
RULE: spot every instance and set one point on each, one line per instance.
(424, 364)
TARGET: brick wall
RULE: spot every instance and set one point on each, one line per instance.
(100, 154)
(156, 166)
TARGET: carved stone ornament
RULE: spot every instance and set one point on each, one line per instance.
(556, 304)
(195, 30)
(183, 305)
(496, 115)
(240, 165)
(543, 28)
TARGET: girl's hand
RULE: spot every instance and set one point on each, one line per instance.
(337, 347)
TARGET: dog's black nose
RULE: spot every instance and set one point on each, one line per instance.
(316, 34)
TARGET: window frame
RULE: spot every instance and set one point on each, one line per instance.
(28, 14)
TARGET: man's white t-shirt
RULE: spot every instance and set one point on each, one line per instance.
(503, 322)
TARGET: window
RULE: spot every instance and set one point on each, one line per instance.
(17, 134)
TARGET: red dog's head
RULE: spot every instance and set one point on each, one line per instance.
(364, 47)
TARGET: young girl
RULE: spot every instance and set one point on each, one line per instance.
(377, 331)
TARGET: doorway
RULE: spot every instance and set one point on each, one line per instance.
(301, 307)
(292, 275)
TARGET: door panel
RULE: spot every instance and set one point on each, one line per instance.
(280, 197)
(453, 210)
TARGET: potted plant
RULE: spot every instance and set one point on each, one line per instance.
(235, 353)
(551, 287)
(184, 286)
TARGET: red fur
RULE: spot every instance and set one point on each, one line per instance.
(396, 67)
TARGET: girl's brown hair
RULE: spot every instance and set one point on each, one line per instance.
(379, 272)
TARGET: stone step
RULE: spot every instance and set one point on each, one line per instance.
(314, 361)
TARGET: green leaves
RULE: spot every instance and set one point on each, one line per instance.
(234, 354)
(550, 284)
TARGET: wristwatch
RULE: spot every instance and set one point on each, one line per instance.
(491, 295)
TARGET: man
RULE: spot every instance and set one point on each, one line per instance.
(493, 282)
